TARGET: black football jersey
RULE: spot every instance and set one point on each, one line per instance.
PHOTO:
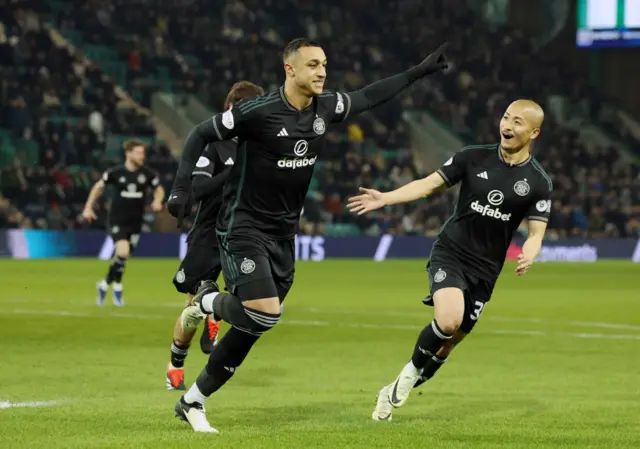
(494, 198)
(128, 196)
(217, 158)
(278, 147)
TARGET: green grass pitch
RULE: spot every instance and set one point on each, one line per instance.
(554, 362)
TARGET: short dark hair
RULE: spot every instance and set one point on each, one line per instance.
(296, 45)
(242, 90)
(130, 144)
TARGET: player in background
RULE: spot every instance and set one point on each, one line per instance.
(130, 182)
(280, 137)
(500, 185)
(202, 261)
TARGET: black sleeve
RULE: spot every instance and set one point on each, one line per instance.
(153, 180)
(204, 182)
(374, 94)
(454, 169)
(108, 176)
(204, 187)
(206, 163)
(223, 126)
(540, 207)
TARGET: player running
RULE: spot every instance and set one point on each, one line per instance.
(280, 137)
(130, 182)
(500, 185)
(202, 261)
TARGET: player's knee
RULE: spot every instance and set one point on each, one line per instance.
(449, 309)
(450, 344)
(262, 320)
(266, 305)
(182, 340)
(123, 250)
(450, 323)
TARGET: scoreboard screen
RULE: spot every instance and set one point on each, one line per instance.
(608, 23)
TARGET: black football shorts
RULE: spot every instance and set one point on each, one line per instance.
(444, 271)
(128, 232)
(201, 263)
(257, 267)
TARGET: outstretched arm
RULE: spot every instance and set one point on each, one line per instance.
(384, 90)
(451, 173)
(372, 199)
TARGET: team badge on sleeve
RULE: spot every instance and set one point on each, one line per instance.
(340, 104)
(543, 206)
(227, 119)
(202, 162)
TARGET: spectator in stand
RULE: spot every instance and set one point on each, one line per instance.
(206, 45)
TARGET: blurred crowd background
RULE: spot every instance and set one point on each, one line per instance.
(78, 78)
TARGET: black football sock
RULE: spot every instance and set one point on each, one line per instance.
(178, 354)
(430, 369)
(116, 270)
(429, 343)
(224, 359)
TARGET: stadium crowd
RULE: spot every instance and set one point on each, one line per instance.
(203, 51)
(58, 114)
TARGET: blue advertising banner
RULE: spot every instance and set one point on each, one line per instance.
(36, 244)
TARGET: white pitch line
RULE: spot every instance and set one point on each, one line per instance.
(34, 404)
(179, 304)
(314, 323)
(36, 312)
(603, 325)
(629, 327)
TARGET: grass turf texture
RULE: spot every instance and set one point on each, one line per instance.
(552, 363)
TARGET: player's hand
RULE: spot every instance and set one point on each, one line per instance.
(369, 200)
(156, 206)
(89, 215)
(179, 205)
(524, 263)
(436, 61)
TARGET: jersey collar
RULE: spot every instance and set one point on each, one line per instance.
(525, 162)
(283, 97)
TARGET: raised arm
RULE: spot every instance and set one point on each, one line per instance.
(384, 90)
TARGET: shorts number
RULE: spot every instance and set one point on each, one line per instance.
(478, 310)
(134, 239)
